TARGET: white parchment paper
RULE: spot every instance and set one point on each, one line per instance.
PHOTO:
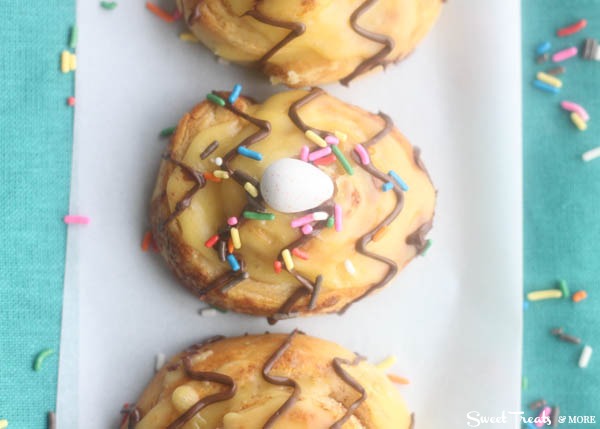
(453, 318)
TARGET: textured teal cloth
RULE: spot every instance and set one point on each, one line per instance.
(35, 166)
(562, 211)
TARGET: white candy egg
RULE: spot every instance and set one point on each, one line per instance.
(290, 186)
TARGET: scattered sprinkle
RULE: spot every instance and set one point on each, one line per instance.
(251, 189)
(362, 154)
(349, 267)
(574, 107)
(543, 47)
(559, 333)
(108, 5)
(221, 174)
(591, 154)
(524, 383)
(209, 149)
(387, 363)
(539, 295)
(387, 186)
(536, 405)
(311, 217)
(572, 29)
(166, 132)
(244, 151)
(73, 37)
(212, 241)
(277, 266)
(332, 140)
(161, 13)
(76, 219)
(188, 37)
(398, 180)
(341, 136)
(428, 244)
(232, 221)
(233, 263)
(235, 238)
(218, 161)
(258, 216)
(549, 79)
(326, 160)
(330, 222)
(578, 121)
(307, 229)
(230, 245)
(586, 355)
(565, 54)
(3, 424)
(235, 93)
(541, 59)
(304, 153)
(71, 101)
(579, 296)
(342, 159)
(215, 99)
(287, 259)
(556, 71)
(545, 87)
(208, 312)
(315, 138)
(398, 380)
(68, 62)
(211, 177)
(159, 362)
(564, 288)
(41, 357)
(147, 241)
(380, 233)
(300, 253)
(525, 305)
(318, 154)
(337, 213)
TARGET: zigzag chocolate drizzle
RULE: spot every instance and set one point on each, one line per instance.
(379, 57)
(280, 380)
(337, 366)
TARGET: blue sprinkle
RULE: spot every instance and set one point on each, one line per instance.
(244, 151)
(525, 305)
(233, 263)
(237, 89)
(543, 48)
(398, 180)
(545, 87)
(387, 186)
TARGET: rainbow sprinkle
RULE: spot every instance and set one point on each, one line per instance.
(387, 186)
(76, 219)
(362, 154)
(215, 99)
(342, 159)
(40, 358)
(398, 180)
(108, 5)
(235, 238)
(315, 138)
(251, 189)
(233, 263)
(287, 259)
(244, 151)
(237, 90)
(258, 216)
(166, 132)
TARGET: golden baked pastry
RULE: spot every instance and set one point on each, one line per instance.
(270, 381)
(309, 42)
(279, 236)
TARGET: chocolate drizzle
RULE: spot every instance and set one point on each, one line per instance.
(379, 57)
(337, 366)
(281, 380)
(296, 30)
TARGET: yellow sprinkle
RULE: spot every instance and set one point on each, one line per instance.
(251, 189)
(549, 79)
(221, 174)
(65, 61)
(315, 138)
(578, 121)
(184, 397)
(73, 62)
(235, 238)
(287, 259)
(3, 423)
(387, 363)
(342, 137)
(189, 37)
(544, 294)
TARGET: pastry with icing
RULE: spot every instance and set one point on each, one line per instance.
(300, 205)
(301, 42)
(271, 381)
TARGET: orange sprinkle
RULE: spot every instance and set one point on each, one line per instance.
(230, 245)
(147, 241)
(211, 177)
(379, 234)
(161, 13)
(300, 253)
(397, 379)
(277, 266)
(580, 295)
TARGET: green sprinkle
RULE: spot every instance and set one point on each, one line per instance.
(73, 37)
(564, 288)
(342, 159)
(428, 244)
(524, 383)
(168, 131)
(330, 222)
(109, 5)
(258, 216)
(39, 360)
(219, 309)
(215, 99)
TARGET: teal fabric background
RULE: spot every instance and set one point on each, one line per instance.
(35, 167)
(562, 211)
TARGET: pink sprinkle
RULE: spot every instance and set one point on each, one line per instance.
(574, 107)
(565, 54)
(232, 221)
(71, 101)
(304, 153)
(70, 219)
(363, 154)
(332, 140)
(320, 153)
(300, 253)
(176, 14)
(307, 229)
(337, 211)
(544, 416)
(301, 221)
